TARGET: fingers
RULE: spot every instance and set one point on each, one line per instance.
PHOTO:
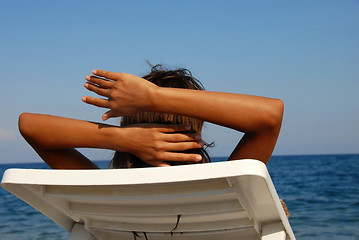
(181, 157)
(103, 83)
(107, 115)
(182, 146)
(96, 101)
(163, 159)
(181, 137)
(100, 91)
(106, 74)
(175, 157)
(174, 128)
(165, 149)
(179, 133)
(99, 86)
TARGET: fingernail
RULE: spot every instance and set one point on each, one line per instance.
(94, 72)
(197, 137)
(201, 143)
(198, 158)
(86, 85)
(83, 99)
(88, 77)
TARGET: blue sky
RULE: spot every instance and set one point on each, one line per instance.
(303, 52)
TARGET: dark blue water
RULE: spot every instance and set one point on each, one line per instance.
(321, 192)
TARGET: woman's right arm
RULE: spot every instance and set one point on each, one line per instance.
(55, 139)
(259, 118)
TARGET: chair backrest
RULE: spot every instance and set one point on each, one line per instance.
(226, 200)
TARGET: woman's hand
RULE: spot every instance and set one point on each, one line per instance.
(125, 94)
(155, 144)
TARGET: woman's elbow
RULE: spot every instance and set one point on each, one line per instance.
(24, 124)
(275, 115)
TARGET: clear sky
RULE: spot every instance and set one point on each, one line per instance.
(304, 52)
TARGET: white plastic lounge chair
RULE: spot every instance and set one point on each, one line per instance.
(215, 201)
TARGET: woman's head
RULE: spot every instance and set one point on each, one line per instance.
(179, 78)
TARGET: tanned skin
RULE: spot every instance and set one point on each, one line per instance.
(55, 138)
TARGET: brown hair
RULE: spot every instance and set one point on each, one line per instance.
(179, 78)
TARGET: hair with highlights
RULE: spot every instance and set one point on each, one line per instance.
(178, 78)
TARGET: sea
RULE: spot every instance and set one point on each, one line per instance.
(320, 191)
